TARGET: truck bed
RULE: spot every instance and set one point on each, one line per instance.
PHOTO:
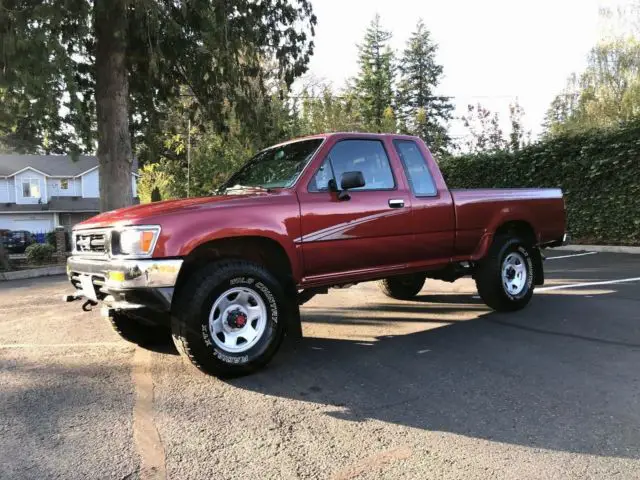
(476, 213)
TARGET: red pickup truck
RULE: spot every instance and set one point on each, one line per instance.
(225, 274)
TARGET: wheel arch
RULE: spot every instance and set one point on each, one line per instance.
(517, 228)
(259, 249)
(520, 229)
(505, 225)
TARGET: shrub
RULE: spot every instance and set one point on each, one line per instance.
(52, 239)
(39, 253)
(598, 171)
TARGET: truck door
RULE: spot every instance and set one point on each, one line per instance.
(369, 230)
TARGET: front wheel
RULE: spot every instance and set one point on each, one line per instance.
(136, 329)
(229, 318)
(505, 277)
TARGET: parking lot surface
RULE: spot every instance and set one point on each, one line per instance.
(438, 387)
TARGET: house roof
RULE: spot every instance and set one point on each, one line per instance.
(51, 165)
(56, 204)
(74, 204)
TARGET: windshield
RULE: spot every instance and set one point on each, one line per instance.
(276, 167)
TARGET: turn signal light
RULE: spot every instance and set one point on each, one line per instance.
(147, 240)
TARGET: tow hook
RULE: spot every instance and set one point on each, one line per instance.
(88, 305)
(71, 298)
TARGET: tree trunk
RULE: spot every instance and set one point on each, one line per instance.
(112, 104)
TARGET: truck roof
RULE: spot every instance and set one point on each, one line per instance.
(343, 135)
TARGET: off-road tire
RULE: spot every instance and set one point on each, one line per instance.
(190, 317)
(488, 276)
(403, 287)
(134, 330)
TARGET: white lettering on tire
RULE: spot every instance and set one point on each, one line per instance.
(271, 299)
(273, 306)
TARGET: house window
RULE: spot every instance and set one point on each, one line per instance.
(64, 184)
(31, 188)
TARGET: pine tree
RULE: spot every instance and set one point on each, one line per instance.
(374, 84)
(77, 71)
(421, 112)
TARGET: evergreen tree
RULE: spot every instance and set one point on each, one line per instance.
(81, 74)
(374, 83)
(421, 112)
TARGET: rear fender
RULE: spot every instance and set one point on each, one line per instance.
(510, 213)
(483, 247)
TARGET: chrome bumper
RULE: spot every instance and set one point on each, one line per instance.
(128, 274)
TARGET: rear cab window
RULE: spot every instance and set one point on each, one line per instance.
(415, 167)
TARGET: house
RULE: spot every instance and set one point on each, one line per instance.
(41, 192)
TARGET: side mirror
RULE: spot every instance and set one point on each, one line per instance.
(351, 180)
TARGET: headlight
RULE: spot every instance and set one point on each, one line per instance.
(138, 240)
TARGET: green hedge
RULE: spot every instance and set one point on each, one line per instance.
(598, 171)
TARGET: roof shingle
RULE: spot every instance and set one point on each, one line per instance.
(56, 204)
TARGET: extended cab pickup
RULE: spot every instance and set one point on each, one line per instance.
(226, 274)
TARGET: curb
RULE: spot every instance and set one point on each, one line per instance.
(600, 248)
(33, 273)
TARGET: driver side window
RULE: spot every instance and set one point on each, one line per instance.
(366, 156)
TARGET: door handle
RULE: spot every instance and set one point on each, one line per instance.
(396, 203)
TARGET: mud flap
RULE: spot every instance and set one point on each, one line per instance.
(294, 323)
(538, 268)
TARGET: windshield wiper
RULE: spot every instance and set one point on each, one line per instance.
(244, 188)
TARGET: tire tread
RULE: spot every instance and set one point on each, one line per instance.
(199, 284)
(488, 278)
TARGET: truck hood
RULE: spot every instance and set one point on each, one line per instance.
(140, 214)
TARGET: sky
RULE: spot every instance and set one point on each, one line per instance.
(493, 51)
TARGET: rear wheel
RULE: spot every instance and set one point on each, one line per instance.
(139, 330)
(505, 278)
(403, 287)
(230, 318)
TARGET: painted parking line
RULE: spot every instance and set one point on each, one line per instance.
(588, 284)
(569, 256)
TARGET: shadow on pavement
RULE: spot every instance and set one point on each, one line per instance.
(560, 375)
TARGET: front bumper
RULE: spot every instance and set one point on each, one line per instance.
(125, 284)
(127, 274)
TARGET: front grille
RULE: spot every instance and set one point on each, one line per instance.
(91, 242)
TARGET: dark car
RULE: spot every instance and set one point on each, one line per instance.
(16, 241)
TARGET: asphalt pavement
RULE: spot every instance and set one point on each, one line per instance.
(438, 387)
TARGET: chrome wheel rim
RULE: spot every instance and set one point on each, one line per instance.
(514, 273)
(237, 320)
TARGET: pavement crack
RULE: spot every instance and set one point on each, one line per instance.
(145, 434)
